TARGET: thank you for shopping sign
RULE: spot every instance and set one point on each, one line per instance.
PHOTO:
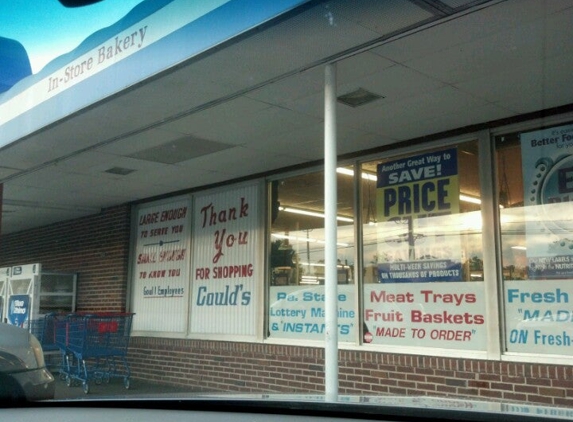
(225, 266)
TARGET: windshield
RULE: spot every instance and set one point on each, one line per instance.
(344, 201)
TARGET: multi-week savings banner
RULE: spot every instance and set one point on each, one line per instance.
(161, 283)
(225, 265)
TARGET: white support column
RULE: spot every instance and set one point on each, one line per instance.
(330, 232)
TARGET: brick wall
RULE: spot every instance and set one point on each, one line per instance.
(211, 366)
(94, 247)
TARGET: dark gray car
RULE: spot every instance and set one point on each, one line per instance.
(23, 373)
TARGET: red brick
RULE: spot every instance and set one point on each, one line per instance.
(491, 393)
(478, 384)
(501, 386)
(552, 392)
(563, 402)
(515, 396)
(531, 398)
(513, 380)
(538, 381)
(425, 386)
(488, 377)
(562, 383)
(445, 389)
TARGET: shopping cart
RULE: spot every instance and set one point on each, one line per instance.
(45, 331)
(94, 347)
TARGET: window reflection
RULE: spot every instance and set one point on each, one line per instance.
(297, 261)
(422, 243)
(535, 182)
(414, 231)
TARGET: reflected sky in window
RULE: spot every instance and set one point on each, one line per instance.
(47, 29)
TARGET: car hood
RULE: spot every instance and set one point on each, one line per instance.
(14, 343)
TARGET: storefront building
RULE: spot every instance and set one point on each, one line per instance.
(453, 256)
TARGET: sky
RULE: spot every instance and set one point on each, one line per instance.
(47, 29)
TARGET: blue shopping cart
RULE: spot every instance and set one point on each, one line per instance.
(94, 347)
(45, 331)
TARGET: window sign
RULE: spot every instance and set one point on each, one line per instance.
(538, 307)
(297, 262)
(160, 269)
(539, 316)
(297, 312)
(425, 314)
(424, 247)
(548, 185)
(18, 310)
(413, 245)
(225, 265)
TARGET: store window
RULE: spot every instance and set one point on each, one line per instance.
(535, 185)
(297, 264)
(422, 243)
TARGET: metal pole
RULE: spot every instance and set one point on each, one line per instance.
(330, 233)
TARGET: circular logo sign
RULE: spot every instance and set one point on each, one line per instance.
(551, 192)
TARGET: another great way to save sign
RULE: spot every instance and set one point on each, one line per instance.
(419, 255)
(416, 240)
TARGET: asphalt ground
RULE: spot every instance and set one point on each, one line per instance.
(115, 388)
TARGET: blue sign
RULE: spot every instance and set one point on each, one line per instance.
(420, 271)
(429, 166)
(18, 310)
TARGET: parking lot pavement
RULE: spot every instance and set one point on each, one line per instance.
(116, 389)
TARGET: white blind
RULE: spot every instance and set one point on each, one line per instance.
(225, 265)
(160, 289)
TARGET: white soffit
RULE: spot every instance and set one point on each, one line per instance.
(227, 122)
(179, 150)
(268, 105)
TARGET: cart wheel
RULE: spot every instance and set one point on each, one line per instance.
(68, 381)
(126, 383)
(106, 378)
(86, 387)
